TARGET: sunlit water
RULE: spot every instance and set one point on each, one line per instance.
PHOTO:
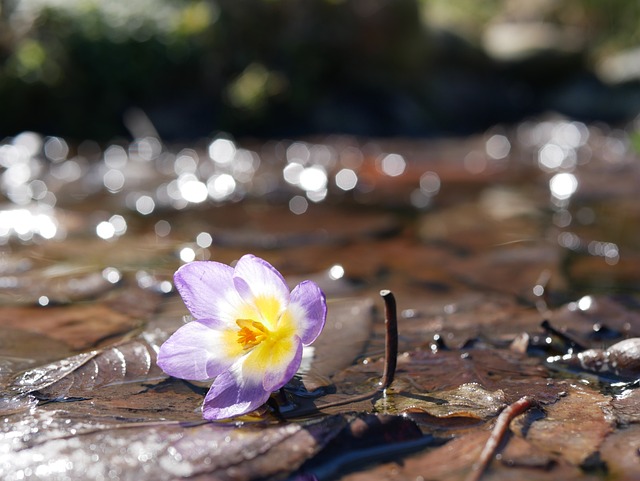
(473, 235)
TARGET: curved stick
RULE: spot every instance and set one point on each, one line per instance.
(497, 435)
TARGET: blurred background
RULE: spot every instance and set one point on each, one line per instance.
(273, 68)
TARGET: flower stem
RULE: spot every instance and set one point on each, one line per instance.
(391, 339)
(497, 435)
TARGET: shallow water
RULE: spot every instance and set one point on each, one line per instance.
(480, 239)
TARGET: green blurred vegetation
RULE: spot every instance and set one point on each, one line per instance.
(263, 67)
(608, 26)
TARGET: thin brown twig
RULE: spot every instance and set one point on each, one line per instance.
(497, 435)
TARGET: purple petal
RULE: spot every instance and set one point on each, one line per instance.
(282, 367)
(233, 395)
(256, 278)
(207, 290)
(310, 307)
(198, 351)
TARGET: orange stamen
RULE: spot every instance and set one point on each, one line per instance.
(251, 333)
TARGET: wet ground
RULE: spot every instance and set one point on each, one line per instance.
(514, 258)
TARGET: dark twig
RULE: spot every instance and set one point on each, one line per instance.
(390, 360)
(391, 339)
(497, 435)
(571, 344)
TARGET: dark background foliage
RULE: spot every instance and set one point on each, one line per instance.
(296, 67)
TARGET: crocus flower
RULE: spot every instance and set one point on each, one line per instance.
(248, 332)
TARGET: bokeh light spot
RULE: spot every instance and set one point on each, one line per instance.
(145, 204)
(336, 272)
(563, 185)
(313, 179)
(498, 147)
(393, 165)
(204, 240)
(346, 179)
(187, 254)
(222, 151)
(298, 205)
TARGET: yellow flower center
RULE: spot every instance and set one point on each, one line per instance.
(251, 333)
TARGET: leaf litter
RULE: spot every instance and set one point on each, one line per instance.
(476, 269)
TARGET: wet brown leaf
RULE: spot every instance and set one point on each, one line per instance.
(57, 284)
(518, 459)
(626, 406)
(347, 329)
(126, 363)
(518, 453)
(574, 427)
(514, 269)
(425, 372)
(470, 316)
(21, 350)
(256, 226)
(467, 400)
(621, 453)
(42, 376)
(80, 326)
(170, 451)
(451, 462)
(84, 325)
(79, 269)
(127, 254)
(173, 399)
(596, 273)
(584, 318)
(498, 217)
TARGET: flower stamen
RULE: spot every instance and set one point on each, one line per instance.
(251, 333)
